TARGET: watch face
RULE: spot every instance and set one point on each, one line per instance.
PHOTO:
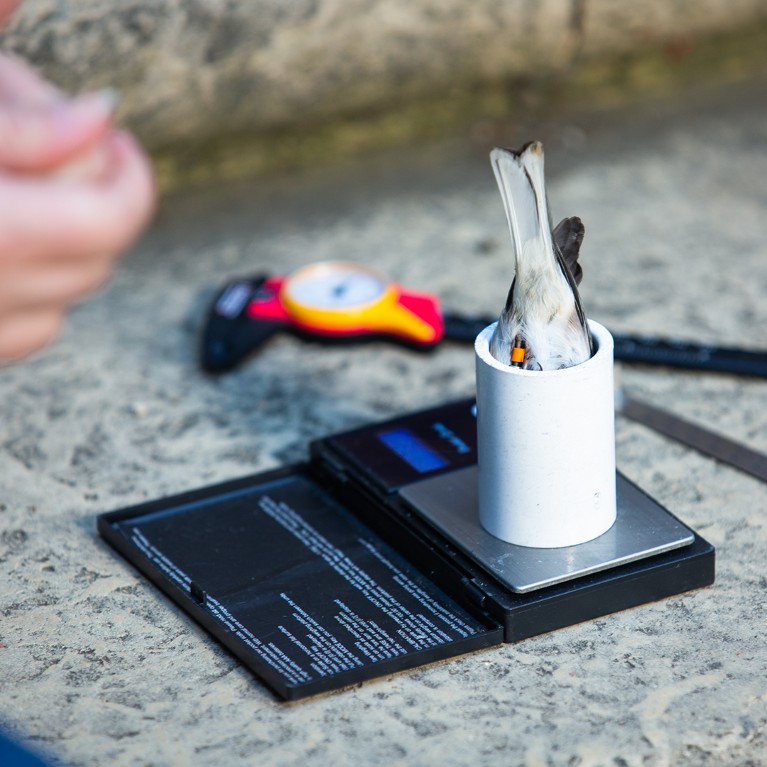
(335, 286)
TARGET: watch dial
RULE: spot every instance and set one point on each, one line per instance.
(336, 287)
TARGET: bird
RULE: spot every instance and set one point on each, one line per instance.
(543, 325)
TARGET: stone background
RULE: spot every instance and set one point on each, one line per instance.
(192, 70)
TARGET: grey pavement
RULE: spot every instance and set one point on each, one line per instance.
(96, 668)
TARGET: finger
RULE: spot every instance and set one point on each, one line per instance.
(19, 82)
(52, 285)
(27, 332)
(72, 217)
(40, 137)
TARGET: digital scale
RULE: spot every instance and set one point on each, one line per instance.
(369, 558)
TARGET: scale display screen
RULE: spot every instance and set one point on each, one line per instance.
(410, 448)
(413, 450)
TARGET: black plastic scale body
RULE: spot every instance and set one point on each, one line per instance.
(369, 559)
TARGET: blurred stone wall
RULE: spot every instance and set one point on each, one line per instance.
(194, 69)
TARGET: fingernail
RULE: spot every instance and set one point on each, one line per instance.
(98, 104)
(109, 97)
(106, 99)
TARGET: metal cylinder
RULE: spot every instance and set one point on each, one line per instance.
(546, 443)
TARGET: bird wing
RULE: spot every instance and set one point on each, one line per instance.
(568, 236)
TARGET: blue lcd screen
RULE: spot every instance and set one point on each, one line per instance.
(411, 449)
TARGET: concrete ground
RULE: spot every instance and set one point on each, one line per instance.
(97, 668)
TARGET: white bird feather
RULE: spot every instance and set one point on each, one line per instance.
(543, 312)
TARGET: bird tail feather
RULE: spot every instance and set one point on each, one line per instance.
(520, 179)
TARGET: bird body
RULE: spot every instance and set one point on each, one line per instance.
(543, 314)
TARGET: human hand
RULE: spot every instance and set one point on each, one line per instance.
(59, 239)
(74, 193)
